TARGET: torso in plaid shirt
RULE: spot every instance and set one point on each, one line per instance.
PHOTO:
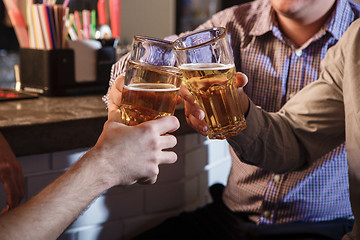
(277, 69)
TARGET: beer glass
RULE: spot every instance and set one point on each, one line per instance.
(152, 81)
(206, 62)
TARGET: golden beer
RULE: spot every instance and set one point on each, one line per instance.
(152, 93)
(214, 88)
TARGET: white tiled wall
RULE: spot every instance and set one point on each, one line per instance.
(122, 212)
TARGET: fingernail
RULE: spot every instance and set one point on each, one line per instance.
(200, 115)
(205, 129)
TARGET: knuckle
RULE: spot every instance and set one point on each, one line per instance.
(149, 129)
(154, 144)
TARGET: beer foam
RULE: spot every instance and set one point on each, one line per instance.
(206, 66)
(152, 87)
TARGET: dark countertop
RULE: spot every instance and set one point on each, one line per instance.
(50, 124)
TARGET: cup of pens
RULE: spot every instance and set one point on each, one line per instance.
(46, 26)
(152, 81)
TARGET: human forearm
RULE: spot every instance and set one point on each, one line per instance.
(308, 126)
(11, 175)
(262, 145)
(45, 216)
(122, 155)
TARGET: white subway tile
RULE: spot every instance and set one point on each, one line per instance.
(115, 205)
(188, 142)
(172, 172)
(194, 140)
(35, 163)
(65, 159)
(191, 190)
(173, 195)
(110, 231)
(96, 213)
(35, 183)
(125, 203)
(164, 197)
(195, 161)
(135, 226)
(218, 173)
(189, 164)
(106, 231)
(204, 187)
(217, 150)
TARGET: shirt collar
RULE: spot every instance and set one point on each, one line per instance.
(341, 19)
(263, 22)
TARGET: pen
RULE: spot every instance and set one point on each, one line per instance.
(68, 25)
(101, 8)
(86, 23)
(50, 15)
(78, 24)
(18, 22)
(66, 3)
(32, 41)
(104, 29)
(39, 39)
(115, 11)
(64, 16)
(93, 24)
(45, 25)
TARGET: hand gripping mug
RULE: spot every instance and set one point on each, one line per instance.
(206, 63)
(152, 81)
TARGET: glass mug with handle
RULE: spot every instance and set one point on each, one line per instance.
(152, 81)
(206, 63)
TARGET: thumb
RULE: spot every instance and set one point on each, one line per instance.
(115, 94)
(241, 80)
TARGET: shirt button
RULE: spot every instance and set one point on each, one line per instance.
(298, 52)
(276, 177)
(266, 214)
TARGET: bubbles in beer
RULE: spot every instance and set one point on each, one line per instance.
(152, 92)
(214, 88)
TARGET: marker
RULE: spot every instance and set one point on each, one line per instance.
(93, 24)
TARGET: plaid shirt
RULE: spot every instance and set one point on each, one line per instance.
(277, 69)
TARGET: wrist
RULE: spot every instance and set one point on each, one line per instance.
(94, 172)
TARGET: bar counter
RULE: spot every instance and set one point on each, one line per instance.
(51, 124)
